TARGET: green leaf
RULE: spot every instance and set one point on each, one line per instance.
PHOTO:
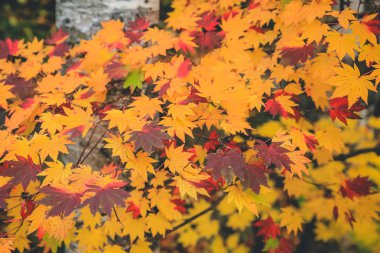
(271, 243)
(134, 80)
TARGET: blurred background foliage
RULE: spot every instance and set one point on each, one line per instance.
(28, 18)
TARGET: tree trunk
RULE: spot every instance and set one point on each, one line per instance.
(81, 18)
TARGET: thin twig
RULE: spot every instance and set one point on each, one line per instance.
(191, 219)
(92, 149)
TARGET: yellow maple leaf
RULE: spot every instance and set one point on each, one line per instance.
(50, 122)
(158, 224)
(77, 117)
(56, 173)
(146, 106)
(286, 103)
(342, 44)
(6, 245)
(344, 17)
(161, 198)
(59, 227)
(291, 219)
(350, 83)
(330, 138)
(177, 160)
(142, 163)
(135, 228)
(5, 94)
(50, 145)
(124, 120)
(141, 246)
(119, 147)
(241, 199)
(360, 29)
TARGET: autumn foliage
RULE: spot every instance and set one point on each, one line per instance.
(233, 129)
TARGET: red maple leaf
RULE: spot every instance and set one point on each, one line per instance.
(116, 70)
(136, 28)
(226, 164)
(184, 68)
(60, 50)
(208, 40)
(209, 184)
(139, 24)
(273, 154)
(359, 186)
(275, 108)
(21, 88)
(135, 209)
(150, 137)
(62, 201)
(57, 37)
(293, 55)
(339, 109)
(23, 171)
(209, 21)
(27, 208)
(373, 26)
(310, 141)
(106, 197)
(255, 176)
(8, 47)
(179, 205)
(212, 142)
(268, 228)
(4, 194)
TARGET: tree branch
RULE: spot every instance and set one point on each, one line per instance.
(344, 157)
(191, 219)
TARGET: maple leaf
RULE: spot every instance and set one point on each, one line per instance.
(273, 153)
(116, 70)
(60, 200)
(23, 171)
(150, 137)
(209, 21)
(350, 83)
(282, 105)
(177, 160)
(226, 164)
(134, 80)
(136, 227)
(141, 246)
(291, 219)
(339, 109)
(359, 186)
(106, 197)
(141, 163)
(212, 141)
(254, 176)
(268, 228)
(208, 40)
(4, 95)
(293, 55)
(7, 244)
(241, 199)
(20, 87)
(158, 224)
(57, 37)
(51, 145)
(56, 173)
(342, 44)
